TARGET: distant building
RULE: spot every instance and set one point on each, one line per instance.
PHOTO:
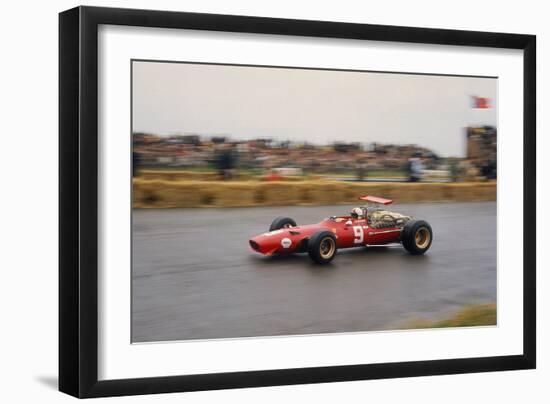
(481, 142)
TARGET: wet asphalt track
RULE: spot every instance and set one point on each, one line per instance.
(195, 277)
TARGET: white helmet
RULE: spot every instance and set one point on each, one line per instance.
(357, 213)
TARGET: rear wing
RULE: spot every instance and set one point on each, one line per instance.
(376, 199)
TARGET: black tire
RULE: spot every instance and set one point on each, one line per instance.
(322, 247)
(417, 236)
(282, 222)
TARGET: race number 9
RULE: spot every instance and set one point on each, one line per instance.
(358, 232)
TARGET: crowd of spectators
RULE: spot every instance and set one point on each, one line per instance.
(227, 155)
(196, 151)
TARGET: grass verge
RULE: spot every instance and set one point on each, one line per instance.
(469, 316)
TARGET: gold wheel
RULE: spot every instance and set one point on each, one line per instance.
(422, 238)
(327, 247)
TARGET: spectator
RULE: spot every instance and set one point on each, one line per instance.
(136, 161)
(415, 168)
(226, 162)
(454, 170)
(361, 170)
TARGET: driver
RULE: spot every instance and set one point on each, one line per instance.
(357, 213)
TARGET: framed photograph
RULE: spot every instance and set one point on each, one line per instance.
(250, 201)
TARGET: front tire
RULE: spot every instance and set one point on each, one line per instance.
(281, 223)
(417, 236)
(322, 247)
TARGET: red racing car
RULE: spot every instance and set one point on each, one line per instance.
(367, 225)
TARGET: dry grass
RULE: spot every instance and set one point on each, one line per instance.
(470, 316)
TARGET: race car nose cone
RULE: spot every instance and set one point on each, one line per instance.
(255, 246)
(265, 244)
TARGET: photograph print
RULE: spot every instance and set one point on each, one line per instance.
(277, 201)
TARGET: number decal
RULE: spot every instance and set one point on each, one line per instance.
(358, 232)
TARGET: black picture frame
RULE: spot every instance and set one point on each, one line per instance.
(78, 201)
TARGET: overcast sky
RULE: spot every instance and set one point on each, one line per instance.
(318, 106)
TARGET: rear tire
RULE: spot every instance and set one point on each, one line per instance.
(281, 223)
(417, 236)
(322, 247)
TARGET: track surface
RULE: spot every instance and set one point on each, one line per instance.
(195, 277)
